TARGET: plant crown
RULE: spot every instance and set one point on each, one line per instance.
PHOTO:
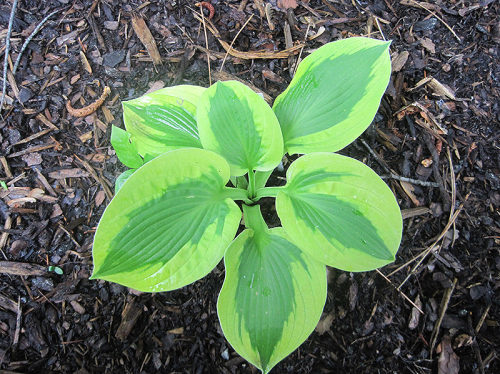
(193, 152)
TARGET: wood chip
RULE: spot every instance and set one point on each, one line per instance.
(399, 60)
(107, 115)
(428, 44)
(77, 307)
(448, 362)
(99, 199)
(177, 331)
(21, 268)
(324, 324)
(8, 304)
(68, 173)
(85, 62)
(415, 314)
(130, 314)
(144, 34)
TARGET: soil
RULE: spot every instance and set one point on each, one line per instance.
(438, 126)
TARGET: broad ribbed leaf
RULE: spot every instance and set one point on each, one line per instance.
(238, 124)
(272, 298)
(163, 120)
(334, 95)
(339, 211)
(125, 150)
(169, 224)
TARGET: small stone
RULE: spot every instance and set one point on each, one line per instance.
(42, 283)
(32, 159)
(425, 25)
(25, 94)
(111, 25)
(112, 59)
(225, 354)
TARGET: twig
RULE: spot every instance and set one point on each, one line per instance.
(444, 306)
(439, 18)
(453, 183)
(402, 294)
(206, 43)
(7, 50)
(395, 176)
(234, 39)
(18, 324)
(424, 254)
(30, 38)
(305, 40)
(410, 180)
(435, 167)
(482, 319)
(380, 29)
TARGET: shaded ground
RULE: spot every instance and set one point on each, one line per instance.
(60, 172)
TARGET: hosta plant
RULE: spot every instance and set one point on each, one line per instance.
(195, 152)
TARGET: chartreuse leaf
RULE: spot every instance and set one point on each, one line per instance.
(163, 120)
(169, 224)
(339, 211)
(272, 298)
(238, 124)
(125, 150)
(334, 95)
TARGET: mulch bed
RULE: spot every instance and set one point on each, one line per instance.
(435, 139)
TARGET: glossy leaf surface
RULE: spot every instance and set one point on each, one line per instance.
(169, 224)
(272, 298)
(163, 120)
(339, 211)
(236, 123)
(334, 95)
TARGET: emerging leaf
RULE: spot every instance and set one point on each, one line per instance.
(238, 124)
(122, 178)
(163, 120)
(339, 211)
(334, 95)
(125, 150)
(272, 298)
(169, 224)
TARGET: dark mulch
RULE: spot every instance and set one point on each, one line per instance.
(60, 170)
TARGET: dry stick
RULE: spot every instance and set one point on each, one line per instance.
(435, 167)
(30, 38)
(482, 319)
(380, 29)
(424, 254)
(439, 18)
(444, 306)
(397, 289)
(206, 43)
(305, 40)
(453, 183)
(394, 176)
(234, 39)
(7, 50)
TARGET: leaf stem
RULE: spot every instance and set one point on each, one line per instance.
(234, 193)
(269, 191)
(251, 184)
(261, 178)
(254, 220)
